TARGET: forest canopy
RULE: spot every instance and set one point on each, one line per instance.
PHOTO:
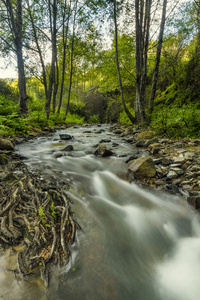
(137, 62)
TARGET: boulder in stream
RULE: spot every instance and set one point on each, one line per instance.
(65, 136)
(145, 135)
(142, 167)
(6, 144)
(101, 150)
(68, 148)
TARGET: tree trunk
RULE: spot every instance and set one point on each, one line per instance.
(53, 58)
(65, 37)
(16, 25)
(142, 26)
(158, 53)
(21, 82)
(131, 118)
(72, 60)
(44, 79)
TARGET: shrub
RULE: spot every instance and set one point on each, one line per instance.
(175, 121)
(94, 119)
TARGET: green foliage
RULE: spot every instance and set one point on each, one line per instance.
(42, 214)
(124, 118)
(74, 119)
(93, 119)
(10, 121)
(53, 212)
(37, 119)
(177, 121)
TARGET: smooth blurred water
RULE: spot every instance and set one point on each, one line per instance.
(134, 245)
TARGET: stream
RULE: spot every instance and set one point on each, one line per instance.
(135, 244)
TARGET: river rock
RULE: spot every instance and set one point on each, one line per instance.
(177, 170)
(142, 167)
(6, 144)
(194, 201)
(172, 175)
(66, 136)
(155, 148)
(103, 151)
(68, 148)
(3, 159)
(145, 135)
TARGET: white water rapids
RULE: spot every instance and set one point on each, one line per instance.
(135, 245)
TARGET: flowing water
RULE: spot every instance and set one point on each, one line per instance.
(135, 244)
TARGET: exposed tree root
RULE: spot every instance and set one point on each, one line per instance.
(36, 214)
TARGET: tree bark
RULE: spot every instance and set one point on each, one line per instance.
(72, 60)
(65, 37)
(142, 27)
(16, 26)
(53, 58)
(158, 54)
(131, 118)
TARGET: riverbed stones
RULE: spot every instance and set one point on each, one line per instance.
(102, 150)
(155, 148)
(66, 136)
(6, 144)
(68, 148)
(142, 167)
(145, 135)
(3, 159)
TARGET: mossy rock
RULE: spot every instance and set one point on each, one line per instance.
(6, 144)
(3, 159)
(142, 167)
(145, 135)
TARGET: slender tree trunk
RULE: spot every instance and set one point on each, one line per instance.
(142, 23)
(44, 77)
(158, 54)
(16, 25)
(72, 60)
(21, 82)
(131, 118)
(65, 37)
(56, 83)
(53, 59)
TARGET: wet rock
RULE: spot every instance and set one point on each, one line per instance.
(142, 167)
(3, 159)
(173, 188)
(159, 182)
(178, 145)
(65, 136)
(6, 144)
(177, 170)
(87, 131)
(172, 175)
(157, 161)
(142, 143)
(146, 143)
(179, 159)
(103, 151)
(189, 156)
(68, 148)
(186, 165)
(177, 181)
(131, 157)
(145, 135)
(58, 155)
(115, 144)
(194, 201)
(118, 131)
(166, 161)
(105, 141)
(155, 148)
